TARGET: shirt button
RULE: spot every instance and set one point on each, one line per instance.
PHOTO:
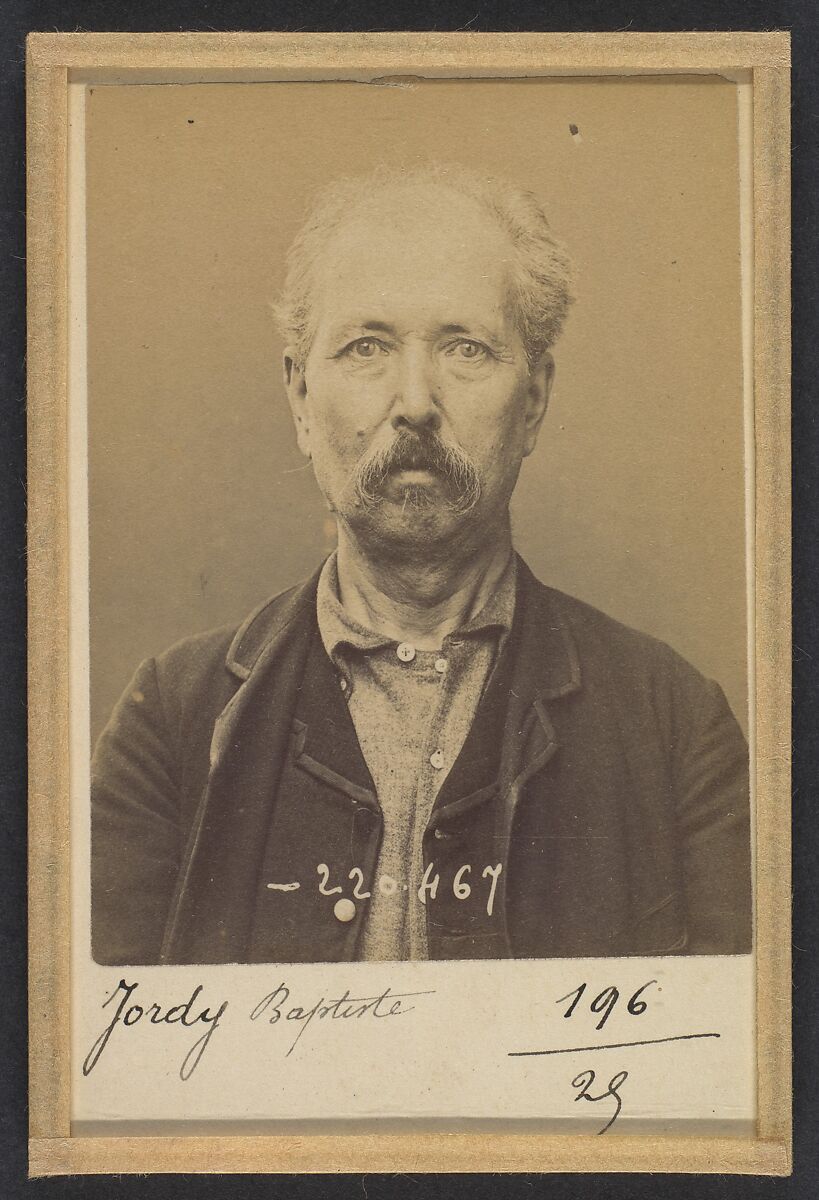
(344, 910)
(406, 652)
(440, 665)
(342, 683)
(438, 833)
(437, 759)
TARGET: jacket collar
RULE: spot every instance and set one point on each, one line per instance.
(268, 623)
(548, 663)
(511, 739)
(342, 635)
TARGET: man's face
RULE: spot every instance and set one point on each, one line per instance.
(416, 403)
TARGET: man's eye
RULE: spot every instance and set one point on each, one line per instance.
(467, 350)
(364, 348)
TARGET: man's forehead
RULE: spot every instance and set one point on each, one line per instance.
(416, 218)
(382, 259)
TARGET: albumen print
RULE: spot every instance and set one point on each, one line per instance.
(443, 731)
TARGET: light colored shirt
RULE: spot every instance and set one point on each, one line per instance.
(412, 710)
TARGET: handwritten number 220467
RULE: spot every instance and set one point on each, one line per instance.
(388, 886)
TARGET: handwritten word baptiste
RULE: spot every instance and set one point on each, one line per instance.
(274, 1007)
(387, 1004)
(127, 1014)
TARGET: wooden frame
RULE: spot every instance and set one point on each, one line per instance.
(53, 61)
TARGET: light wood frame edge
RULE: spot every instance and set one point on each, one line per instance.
(50, 58)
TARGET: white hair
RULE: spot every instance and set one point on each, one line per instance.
(541, 289)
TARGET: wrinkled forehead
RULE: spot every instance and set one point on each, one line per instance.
(409, 250)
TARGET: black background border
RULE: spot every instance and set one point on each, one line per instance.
(16, 20)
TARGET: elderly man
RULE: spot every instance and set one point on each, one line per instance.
(422, 752)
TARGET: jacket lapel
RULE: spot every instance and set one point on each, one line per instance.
(512, 741)
(324, 833)
(326, 743)
(512, 735)
(212, 909)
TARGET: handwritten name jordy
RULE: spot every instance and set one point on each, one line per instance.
(274, 1007)
(127, 1014)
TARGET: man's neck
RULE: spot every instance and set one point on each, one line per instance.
(418, 604)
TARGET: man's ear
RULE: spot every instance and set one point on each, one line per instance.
(537, 400)
(296, 388)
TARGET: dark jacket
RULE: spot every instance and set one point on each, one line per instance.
(606, 777)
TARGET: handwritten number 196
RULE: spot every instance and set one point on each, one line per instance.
(604, 1004)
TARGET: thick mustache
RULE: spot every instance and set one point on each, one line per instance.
(420, 452)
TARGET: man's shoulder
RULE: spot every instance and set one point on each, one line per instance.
(639, 674)
(229, 648)
(589, 622)
(604, 643)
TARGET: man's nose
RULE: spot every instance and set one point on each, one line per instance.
(415, 403)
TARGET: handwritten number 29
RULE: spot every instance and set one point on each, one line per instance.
(585, 1079)
(604, 1004)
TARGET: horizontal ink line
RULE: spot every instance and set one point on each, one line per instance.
(680, 1037)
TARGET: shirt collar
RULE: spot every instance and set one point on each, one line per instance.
(338, 629)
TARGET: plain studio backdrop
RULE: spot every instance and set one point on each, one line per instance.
(199, 506)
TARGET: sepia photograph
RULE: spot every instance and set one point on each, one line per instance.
(421, 749)
(422, 485)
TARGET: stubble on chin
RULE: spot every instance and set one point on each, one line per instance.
(415, 531)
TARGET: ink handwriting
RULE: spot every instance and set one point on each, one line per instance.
(606, 1002)
(462, 884)
(275, 1008)
(127, 1014)
(584, 1081)
(604, 1005)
